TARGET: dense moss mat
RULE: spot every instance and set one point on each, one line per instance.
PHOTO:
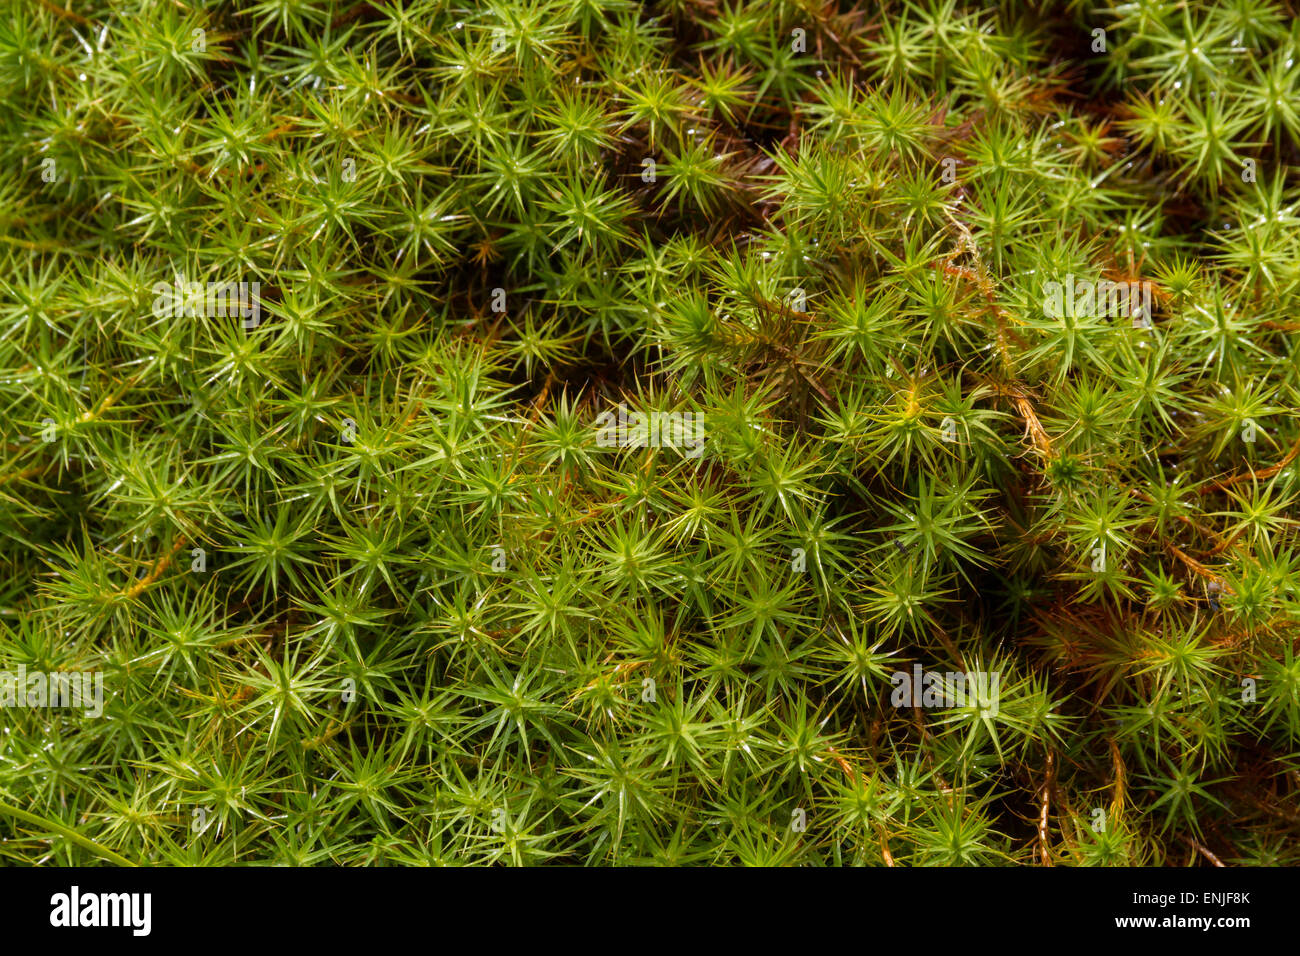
(966, 336)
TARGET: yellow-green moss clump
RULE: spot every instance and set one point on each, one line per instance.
(588, 431)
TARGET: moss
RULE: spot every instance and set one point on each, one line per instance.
(617, 406)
